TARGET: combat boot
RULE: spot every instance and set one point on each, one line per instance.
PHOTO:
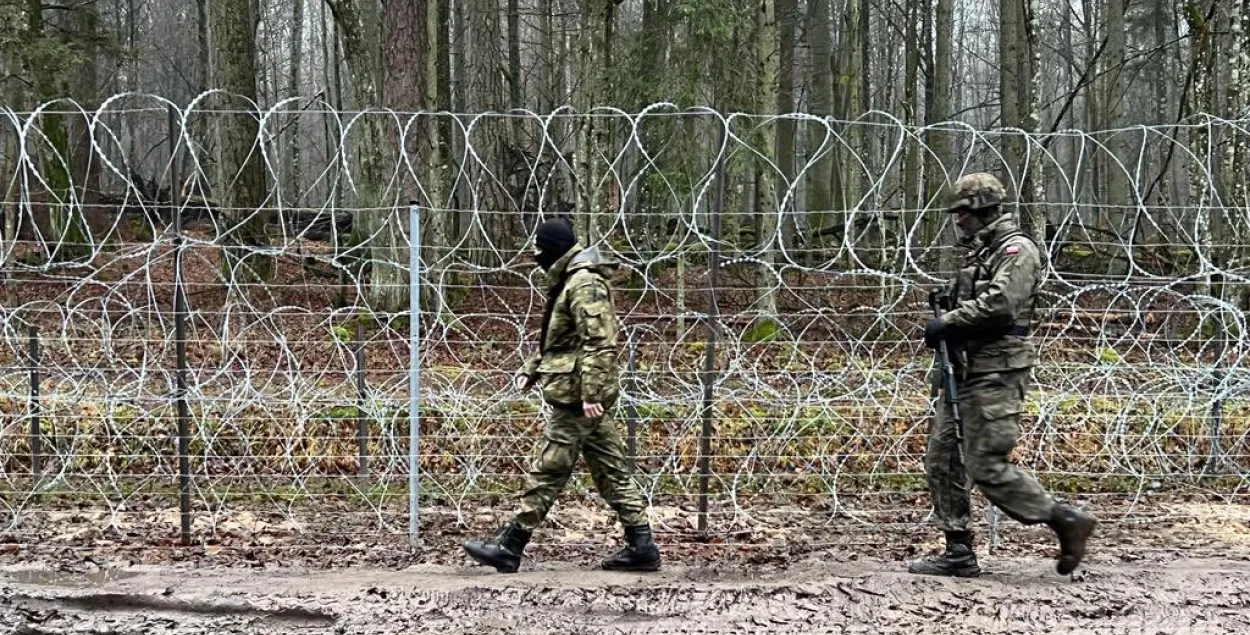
(959, 561)
(640, 552)
(1074, 528)
(504, 552)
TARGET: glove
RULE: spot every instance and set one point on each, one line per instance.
(523, 382)
(934, 332)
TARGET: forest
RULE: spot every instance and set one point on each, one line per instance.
(838, 123)
(205, 220)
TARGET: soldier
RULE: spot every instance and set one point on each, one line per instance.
(986, 326)
(577, 368)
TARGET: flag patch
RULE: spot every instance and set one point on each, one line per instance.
(1011, 250)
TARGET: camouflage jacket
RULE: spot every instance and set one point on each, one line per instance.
(577, 361)
(994, 294)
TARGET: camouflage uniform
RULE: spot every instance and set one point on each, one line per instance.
(994, 294)
(987, 329)
(578, 364)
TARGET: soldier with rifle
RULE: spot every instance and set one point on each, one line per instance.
(980, 329)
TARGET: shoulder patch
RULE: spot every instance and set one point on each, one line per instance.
(1012, 249)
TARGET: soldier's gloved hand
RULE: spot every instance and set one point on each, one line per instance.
(592, 410)
(934, 332)
(523, 382)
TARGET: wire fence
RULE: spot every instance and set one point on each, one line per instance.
(189, 356)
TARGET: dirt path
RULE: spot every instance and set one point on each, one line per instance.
(1015, 596)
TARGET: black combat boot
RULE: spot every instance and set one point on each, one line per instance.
(504, 553)
(1074, 528)
(640, 552)
(959, 560)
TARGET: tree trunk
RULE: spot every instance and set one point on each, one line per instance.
(851, 106)
(205, 53)
(406, 41)
(1034, 184)
(786, 23)
(1200, 101)
(484, 91)
(408, 57)
(1112, 102)
(655, 42)
(1010, 82)
(441, 153)
(597, 21)
(766, 197)
(516, 86)
(820, 200)
(1016, 89)
(548, 63)
(1160, 78)
(463, 192)
(436, 166)
(944, 159)
(911, 105)
(379, 222)
(68, 241)
(1237, 168)
(206, 160)
(241, 189)
(1093, 116)
(14, 94)
(297, 65)
(867, 137)
(86, 91)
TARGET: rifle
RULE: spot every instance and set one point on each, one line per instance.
(939, 302)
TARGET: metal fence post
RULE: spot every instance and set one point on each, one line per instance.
(713, 326)
(362, 425)
(414, 369)
(36, 434)
(180, 342)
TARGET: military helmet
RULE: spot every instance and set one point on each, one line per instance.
(974, 192)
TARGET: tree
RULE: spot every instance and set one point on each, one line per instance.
(943, 78)
(378, 221)
(241, 181)
(484, 91)
(766, 196)
(47, 60)
(297, 65)
(785, 148)
(820, 199)
(411, 30)
(1015, 54)
(1113, 106)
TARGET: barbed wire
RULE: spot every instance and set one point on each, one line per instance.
(297, 333)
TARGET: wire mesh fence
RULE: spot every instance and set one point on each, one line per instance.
(775, 388)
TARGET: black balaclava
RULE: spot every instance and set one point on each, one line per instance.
(554, 239)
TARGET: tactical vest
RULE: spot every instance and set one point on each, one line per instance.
(997, 349)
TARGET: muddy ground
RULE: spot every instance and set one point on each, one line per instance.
(1017, 595)
(1175, 567)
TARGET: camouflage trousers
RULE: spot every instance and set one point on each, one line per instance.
(990, 405)
(568, 435)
